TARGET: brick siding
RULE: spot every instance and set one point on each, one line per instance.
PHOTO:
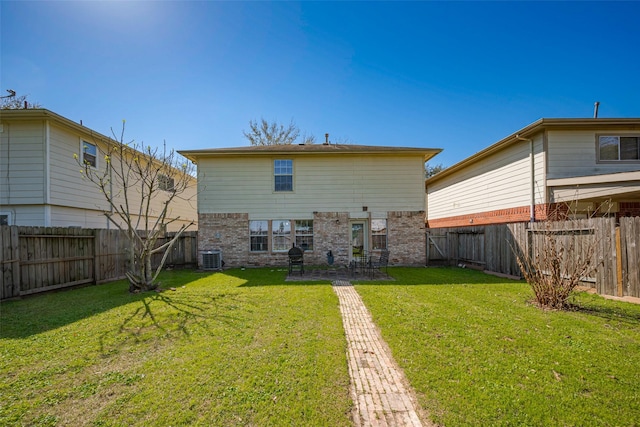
(230, 234)
(500, 216)
(406, 238)
(553, 211)
(628, 209)
(330, 233)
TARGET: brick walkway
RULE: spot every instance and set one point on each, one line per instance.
(378, 387)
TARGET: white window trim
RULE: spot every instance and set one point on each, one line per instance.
(295, 233)
(274, 235)
(9, 217)
(267, 235)
(385, 234)
(293, 186)
(618, 161)
(82, 143)
(271, 235)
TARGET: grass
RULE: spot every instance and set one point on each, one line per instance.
(478, 353)
(247, 348)
(233, 348)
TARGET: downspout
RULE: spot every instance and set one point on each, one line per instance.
(47, 174)
(110, 194)
(532, 195)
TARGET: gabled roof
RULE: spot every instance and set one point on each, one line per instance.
(535, 128)
(309, 149)
(44, 114)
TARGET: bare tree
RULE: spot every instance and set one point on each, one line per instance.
(265, 133)
(560, 254)
(139, 184)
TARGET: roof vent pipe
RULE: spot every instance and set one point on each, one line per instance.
(326, 139)
(595, 109)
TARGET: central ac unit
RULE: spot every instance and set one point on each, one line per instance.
(212, 260)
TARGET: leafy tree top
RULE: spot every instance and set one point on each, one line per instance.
(13, 102)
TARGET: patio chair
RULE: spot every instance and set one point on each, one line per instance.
(296, 259)
(383, 261)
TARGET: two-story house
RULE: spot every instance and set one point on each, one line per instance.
(256, 202)
(592, 166)
(41, 183)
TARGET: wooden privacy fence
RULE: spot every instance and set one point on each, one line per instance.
(491, 248)
(38, 259)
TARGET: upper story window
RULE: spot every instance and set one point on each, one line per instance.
(283, 175)
(618, 148)
(89, 154)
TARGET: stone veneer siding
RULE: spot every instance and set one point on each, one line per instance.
(230, 234)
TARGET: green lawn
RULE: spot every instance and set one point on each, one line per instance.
(247, 348)
(239, 348)
(478, 353)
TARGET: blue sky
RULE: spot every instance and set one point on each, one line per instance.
(453, 75)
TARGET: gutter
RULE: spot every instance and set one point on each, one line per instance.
(535, 127)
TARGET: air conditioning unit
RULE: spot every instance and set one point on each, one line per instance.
(211, 260)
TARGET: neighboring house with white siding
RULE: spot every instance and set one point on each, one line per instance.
(255, 203)
(593, 165)
(40, 180)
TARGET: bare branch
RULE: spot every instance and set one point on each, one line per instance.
(139, 184)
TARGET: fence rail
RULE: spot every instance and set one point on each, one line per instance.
(38, 259)
(492, 248)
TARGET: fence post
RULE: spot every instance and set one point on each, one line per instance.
(15, 250)
(619, 262)
(96, 256)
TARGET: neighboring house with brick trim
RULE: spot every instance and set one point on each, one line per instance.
(593, 165)
(256, 202)
(40, 180)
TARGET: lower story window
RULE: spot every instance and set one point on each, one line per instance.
(379, 234)
(304, 234)
(259, 236)
(281, 233)
(5, 218)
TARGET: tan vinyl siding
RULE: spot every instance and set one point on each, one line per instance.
(500, 181)
(68, 186)
(62, 216)
(22, 162)
(321, 183)
(573, 153)
(32, 215)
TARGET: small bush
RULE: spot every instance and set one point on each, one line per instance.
(560, 255)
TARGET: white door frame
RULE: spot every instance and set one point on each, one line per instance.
(357, 240)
